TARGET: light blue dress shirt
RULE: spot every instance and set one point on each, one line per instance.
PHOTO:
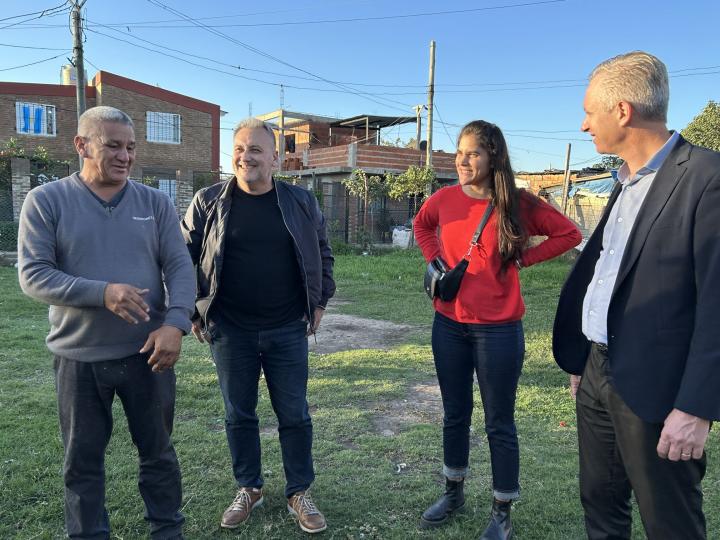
(619, 225)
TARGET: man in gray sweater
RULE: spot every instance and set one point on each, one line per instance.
(108, 256)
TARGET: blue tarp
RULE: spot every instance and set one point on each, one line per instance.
(600, 187)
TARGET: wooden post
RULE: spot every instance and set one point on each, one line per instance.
(78, 61)
(431, 93)
(566, 181)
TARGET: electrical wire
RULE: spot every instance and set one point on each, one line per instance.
(264, 54)
(349, 19)
(61, 8)
(35, 63)
(30, 48)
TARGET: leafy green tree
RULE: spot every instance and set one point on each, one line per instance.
(399, 143)
(412, 183)
(704, 129)
(369, 188)
(609, 163)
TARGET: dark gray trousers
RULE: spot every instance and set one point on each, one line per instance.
(618, 455)
(85, 393)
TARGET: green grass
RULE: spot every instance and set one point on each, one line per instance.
(358, 485)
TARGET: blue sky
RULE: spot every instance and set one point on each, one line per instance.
(519, 63)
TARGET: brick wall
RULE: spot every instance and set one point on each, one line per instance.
(194, 152)
(61, 145)
(370, 156)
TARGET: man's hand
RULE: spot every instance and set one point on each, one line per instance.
(319, 312)
(683, 437)
(165, 343)
(127, 302)
(574, 385)
(197, 330)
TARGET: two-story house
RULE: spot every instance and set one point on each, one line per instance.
(178, 136)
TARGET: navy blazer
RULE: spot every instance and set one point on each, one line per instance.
(664, 314)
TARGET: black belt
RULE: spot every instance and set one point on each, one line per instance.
(600, 347)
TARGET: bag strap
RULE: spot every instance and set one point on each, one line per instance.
(480, 227)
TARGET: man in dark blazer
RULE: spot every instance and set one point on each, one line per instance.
(639, 315)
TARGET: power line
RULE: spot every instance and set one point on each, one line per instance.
(29, 47)
(149, 24)
(452, 142)
(40, 13)
(35, 63)
(237, 75)
(274, 58)
(61, 8)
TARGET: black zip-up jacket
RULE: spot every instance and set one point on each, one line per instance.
(204, 228)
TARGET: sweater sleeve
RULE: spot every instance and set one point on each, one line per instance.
(425, 227)
(544, 220)
(38, 272)
(177, 269)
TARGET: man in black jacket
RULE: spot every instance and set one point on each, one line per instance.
(264, 270)
(638, 315)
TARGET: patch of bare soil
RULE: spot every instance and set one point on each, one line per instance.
(422, 405)
(339, 332)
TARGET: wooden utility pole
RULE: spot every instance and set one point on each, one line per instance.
(281, 139)
(78, 62)
(431, 94)
(566, 181)
(418, 125)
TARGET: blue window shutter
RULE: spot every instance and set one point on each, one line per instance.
(26, 118)
(38, 120)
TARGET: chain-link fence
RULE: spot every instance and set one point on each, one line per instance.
(345, 217)
(8, 226)
(14, 186)
(585, 209)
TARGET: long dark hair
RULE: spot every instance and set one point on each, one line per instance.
(512, 236)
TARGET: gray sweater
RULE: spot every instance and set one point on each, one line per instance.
(70, 248)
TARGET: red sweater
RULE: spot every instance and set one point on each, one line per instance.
(487, 295)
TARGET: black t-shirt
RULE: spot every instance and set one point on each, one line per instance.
(260, 283)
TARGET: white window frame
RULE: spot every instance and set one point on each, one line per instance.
(48, 119)
(169, 187)
(164, 128)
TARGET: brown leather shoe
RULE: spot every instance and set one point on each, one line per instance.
(245, 501)
(302, 508)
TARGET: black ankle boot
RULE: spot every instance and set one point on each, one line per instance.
(500, 527)
(453, 499)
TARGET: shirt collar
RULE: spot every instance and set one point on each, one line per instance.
(653, 164)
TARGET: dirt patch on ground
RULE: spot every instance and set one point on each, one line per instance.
(340, 332)
(421, 405)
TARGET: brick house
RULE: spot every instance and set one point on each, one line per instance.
(178, 137)
(322, 151)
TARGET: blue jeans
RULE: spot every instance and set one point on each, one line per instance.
(494, 352)
(282, 353)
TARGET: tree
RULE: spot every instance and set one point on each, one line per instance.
(704, 129)
(609, 163)
(412, 183)
(399, 143)
(369, 189)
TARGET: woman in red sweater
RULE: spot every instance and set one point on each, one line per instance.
(480, 330)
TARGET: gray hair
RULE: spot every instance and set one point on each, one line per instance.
(254, 123)
(638, 78)
(91, 119)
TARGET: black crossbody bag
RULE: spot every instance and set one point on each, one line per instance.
(443, 282)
